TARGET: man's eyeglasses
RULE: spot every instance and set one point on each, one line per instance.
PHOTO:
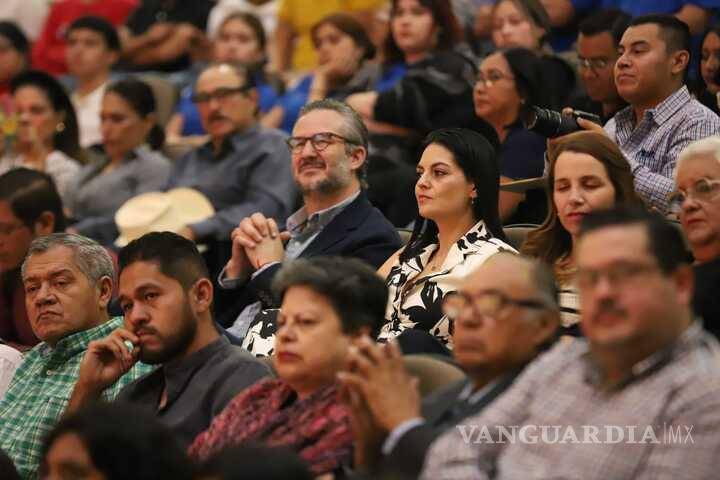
(593, 63)
(491, 77)
(219, 94)
(319, 141)
(486, 304)
(704, 190)
(618, 275)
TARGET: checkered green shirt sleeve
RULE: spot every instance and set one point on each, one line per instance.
(40, 391)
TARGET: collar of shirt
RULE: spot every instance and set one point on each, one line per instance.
(229, 144)
(177, 373)
(659, 114)
(77, 342)
(299, 224)
(594, 375)
(467, 395)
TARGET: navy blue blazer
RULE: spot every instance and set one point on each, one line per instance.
(359, 231)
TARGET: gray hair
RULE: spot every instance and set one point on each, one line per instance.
(353, 128)
(707, 146)
(541, 276)
(90, 257)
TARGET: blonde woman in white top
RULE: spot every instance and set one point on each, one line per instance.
(457, 230)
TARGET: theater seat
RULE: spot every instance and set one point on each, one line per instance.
(516, 234)
(433, 372)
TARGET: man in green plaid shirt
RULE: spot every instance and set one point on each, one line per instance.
(68, 281)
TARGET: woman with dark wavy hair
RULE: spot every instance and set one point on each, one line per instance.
(457, 230)
(587, 172)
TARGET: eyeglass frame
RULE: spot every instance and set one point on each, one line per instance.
(677, 198)
(312, 139)
(488, 82)
(591, 63)
(505, 300)
(618, 274)
(219, 94)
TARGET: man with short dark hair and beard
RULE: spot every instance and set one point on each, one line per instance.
(166, 297)
(329, 159)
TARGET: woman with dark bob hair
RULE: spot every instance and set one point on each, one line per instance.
(343, 49)
(47, 138)
(114, 442)
(587, 172)
(30, 207)
(457, 230)
(508, 82)
(131, 163)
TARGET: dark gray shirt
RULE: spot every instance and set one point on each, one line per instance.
(250, 174)
(198, 387)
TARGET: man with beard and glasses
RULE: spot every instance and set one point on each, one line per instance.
(166, 297)
(638, 397)
(244, 167)
(329, 161)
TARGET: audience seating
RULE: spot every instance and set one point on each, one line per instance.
(433, 372)
(517, 233)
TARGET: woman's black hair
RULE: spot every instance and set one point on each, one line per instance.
(351, 27)
(67, 139)
(140, 97)
(526, 67)
(698, 85)
(124, 442)
(29, 194)
(477, 159)
(17, 38)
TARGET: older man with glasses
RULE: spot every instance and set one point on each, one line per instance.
(697, 203)
(244, 168)
(329, 160)
(504, 313)
(638, 397)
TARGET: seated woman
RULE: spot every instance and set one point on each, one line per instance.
(709, 84)
(131, 164)
(47, 137)
(587, 172)
(240, 39)
(343, 49)
(526, 24)
(435, 92)
(327, 302)
(508, 81)
(29, 207)
(457, 230)
(15, 48)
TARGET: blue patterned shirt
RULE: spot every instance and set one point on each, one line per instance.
(653, 144)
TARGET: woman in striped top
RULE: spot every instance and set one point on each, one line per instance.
(587, 172)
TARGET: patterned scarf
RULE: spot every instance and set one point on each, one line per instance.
(317, 428)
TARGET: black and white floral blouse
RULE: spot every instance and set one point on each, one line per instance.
(417, 302)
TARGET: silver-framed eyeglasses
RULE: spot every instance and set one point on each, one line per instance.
(617, 275)
(593, 63)
(319, 141)
(491, 77)
(486, 304)
(704, 190)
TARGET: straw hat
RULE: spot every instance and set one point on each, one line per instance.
(159, 212)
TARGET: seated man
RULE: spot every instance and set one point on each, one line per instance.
(329, 153)
(30, 206)
(697, 202)
(597, 49)
(244, 168)
(68, 282)
(166, 297)
(93, 47)
(638, 398)
(662, 117)
(505, 314)
(161, 36)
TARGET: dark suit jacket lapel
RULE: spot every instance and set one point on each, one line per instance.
(435, 407)
(346, 221)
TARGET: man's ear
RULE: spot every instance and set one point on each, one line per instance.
(201, 295)
(45, 224)
(548, 325)
(105, 286)
(680, 60)
(358, 157)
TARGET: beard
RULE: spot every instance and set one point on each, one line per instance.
(176, 343)
(338, 177)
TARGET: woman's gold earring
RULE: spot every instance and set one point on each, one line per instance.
(60, 127)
